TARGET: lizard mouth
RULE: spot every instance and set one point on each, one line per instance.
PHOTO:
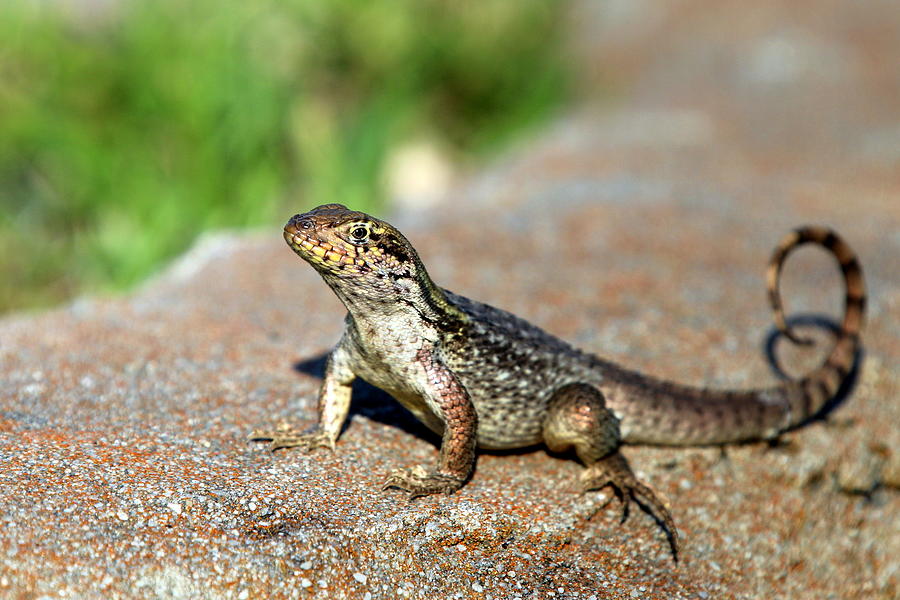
(319, 252)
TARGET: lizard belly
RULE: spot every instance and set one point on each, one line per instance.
(396, 375)
(414, 403)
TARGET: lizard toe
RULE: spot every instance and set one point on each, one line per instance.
(417, 482)
(288, 438)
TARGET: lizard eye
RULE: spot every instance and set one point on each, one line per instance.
(359, 234)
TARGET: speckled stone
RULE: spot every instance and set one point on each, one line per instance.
(639, 230)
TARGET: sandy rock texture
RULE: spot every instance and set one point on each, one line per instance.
(637, 228)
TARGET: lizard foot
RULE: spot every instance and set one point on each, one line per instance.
(290, 438)
(419, 482)
(613, 470)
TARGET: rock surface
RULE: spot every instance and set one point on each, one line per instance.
(637, 229)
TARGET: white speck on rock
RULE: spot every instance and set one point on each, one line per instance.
(33, 389)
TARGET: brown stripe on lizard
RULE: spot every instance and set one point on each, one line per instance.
(482, 377)
(809, 394)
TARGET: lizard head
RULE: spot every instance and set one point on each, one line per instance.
(345, 244)
(370, 265)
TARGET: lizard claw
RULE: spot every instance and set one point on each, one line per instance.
(614, 471)
(289, 438)
(419, 482)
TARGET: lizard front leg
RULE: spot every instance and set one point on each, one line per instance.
(334, 404)
(577, 417)
(447, 397)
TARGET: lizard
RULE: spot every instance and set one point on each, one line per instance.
(481, 377)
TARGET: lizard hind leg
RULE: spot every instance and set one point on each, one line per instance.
(577, 418)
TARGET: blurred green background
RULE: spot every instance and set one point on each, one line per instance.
(128, 127)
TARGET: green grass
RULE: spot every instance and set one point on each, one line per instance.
(124, 135)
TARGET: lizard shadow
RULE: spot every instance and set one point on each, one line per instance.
(828, 324)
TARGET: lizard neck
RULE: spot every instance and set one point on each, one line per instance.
(408, 294)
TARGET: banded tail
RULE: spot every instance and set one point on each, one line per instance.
(807, 395)
(673, 414)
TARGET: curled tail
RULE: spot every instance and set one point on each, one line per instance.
(667, 413)
(806, 396)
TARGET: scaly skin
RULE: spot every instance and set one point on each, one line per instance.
(480, 376)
